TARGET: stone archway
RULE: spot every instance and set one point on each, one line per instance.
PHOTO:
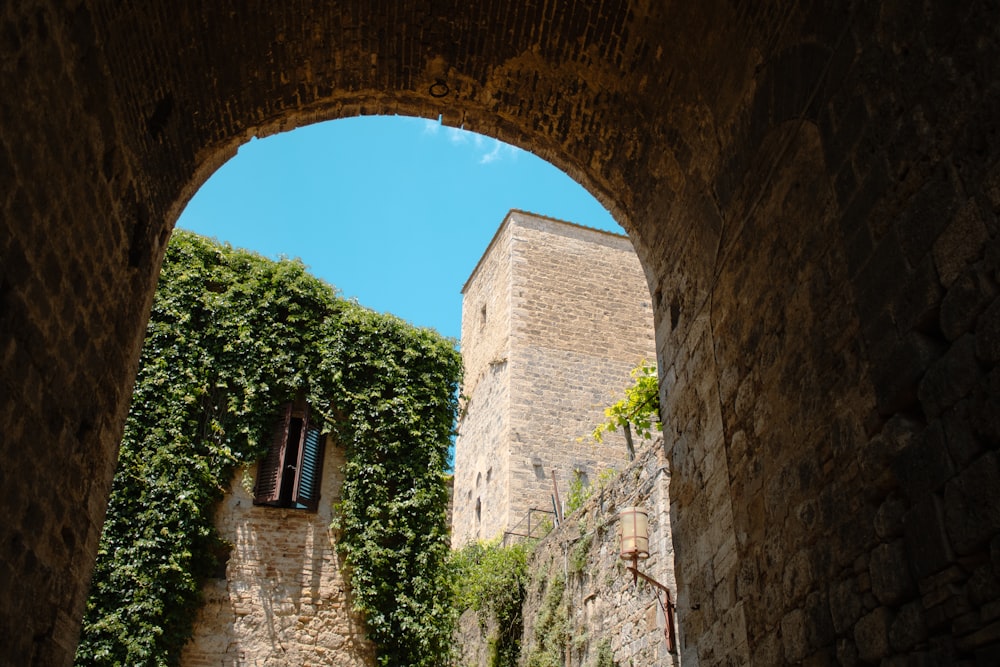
(713, 131)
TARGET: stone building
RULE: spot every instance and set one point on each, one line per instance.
(283, 598)
(554, 317)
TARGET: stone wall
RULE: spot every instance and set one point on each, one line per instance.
(554, 318)
(482, 472)
(582, 604)
(283, 599)
(812, 189)
(603, 608)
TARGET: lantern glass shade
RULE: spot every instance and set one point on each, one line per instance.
(634, 527)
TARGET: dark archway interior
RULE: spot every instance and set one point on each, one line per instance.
(813, 189)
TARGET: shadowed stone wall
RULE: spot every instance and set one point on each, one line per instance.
(813, 191)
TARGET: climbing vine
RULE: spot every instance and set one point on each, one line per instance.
(490, 580)
(231, 337)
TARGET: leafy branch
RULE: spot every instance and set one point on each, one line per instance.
(639, 409)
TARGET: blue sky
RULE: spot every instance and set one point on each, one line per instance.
(392, 211)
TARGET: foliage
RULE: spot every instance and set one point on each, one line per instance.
(231, 337)
(580, 553)
(580, 491)
(491, 580)
(638, 409)
(401, 384)
(604, 657)
(551, 627)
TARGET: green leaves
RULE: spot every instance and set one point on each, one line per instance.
(639, 409)
(231, 337)
(490, 580)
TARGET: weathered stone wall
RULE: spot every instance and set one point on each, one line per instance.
(482, 470)
(567, 316)
(579, 587)
(284, 598)
(737, 143)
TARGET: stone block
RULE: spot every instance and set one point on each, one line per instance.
(847, 653)
(890, 573)
(965, 299)
(986, 637)
(928, 214)
(820, 632)
(917, 305)
(984, 586)
(794, 635)
(961, 243)
(908, 628)
(845, 604)
(988, 333)
(972, 504)
(797, 577)
(926, 539)
(881, 279)
(985, 409)
(871, 635)
(889, 517)
(924, 465)
(896, 376)
(950, 378)
(963, 445)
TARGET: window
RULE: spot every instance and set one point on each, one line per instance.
(290, 473)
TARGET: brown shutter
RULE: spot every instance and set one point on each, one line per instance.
(309, 468)
(267, 490)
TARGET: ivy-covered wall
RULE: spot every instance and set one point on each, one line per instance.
(232, 336)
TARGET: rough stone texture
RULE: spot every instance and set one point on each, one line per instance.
(554, 317)
(806, 184)
(284, 599)
(601, 602)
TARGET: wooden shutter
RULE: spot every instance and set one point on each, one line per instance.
(309, 468)
(267, 490)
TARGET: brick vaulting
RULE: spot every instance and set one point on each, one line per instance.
(813, 190)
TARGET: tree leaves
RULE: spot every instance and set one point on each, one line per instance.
(639, 409)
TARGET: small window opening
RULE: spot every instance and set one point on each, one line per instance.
(290, 474)
(479, 510)
(482, 316)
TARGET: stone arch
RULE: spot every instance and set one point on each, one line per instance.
(123, 109)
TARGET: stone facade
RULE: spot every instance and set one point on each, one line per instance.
(554, 317)
(602, 603)
(284, 598)
(813, 189)
(602, 608)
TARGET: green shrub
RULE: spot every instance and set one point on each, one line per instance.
(490, 580)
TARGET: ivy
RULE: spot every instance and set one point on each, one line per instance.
(491, 580)
(231, 337)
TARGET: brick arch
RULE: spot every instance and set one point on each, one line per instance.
(121, 110)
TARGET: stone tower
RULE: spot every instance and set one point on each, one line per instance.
(554, 317)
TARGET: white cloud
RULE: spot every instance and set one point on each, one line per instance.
(500, 151)
(489, 150)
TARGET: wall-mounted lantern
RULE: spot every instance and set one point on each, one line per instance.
(633, 529)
